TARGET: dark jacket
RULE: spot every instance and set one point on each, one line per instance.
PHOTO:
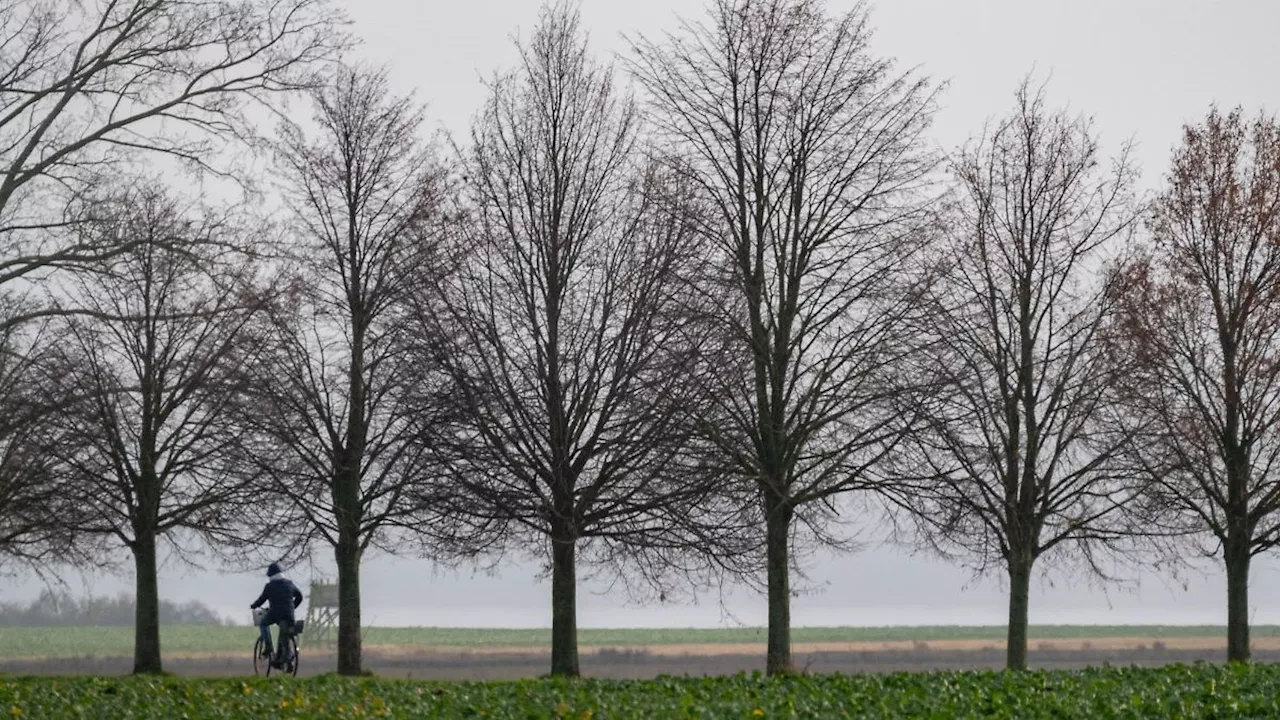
(282, 594)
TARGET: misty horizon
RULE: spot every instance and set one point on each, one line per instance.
(917, 591)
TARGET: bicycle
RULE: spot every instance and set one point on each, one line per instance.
(286, 647)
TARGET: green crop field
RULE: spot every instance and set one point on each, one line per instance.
(1201, 691)
(72, 642)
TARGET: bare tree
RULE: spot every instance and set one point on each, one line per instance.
(569, 339)
(808, 147)
(1016, 450)
(151, 446)
(336, 406)
(84, 85)
(1201, 323)
(35, 505)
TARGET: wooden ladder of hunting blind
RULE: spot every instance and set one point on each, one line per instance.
(322, 614)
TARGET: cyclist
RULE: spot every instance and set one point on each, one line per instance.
(284, 597)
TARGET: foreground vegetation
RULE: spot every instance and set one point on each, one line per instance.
(73, 642)
(1173, 691)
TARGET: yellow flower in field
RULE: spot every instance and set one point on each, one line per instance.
(284, 703)
(15, 711)
(587, 714)
(758, 712)
(246, 689)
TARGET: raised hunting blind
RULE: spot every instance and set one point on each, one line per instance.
(322, 613)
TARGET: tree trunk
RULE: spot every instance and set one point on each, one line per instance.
(564, 609)
(146, 629)
(1237, 557)
(1019, 603)
(778, 565)
(349, 647)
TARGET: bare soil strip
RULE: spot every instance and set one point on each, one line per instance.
(647, 662)
(392, 651)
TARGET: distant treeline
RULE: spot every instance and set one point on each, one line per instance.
(60, 608)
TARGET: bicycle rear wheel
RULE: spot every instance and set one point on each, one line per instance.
(292, 666)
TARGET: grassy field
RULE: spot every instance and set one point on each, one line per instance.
(19, 643)
(1201, 691)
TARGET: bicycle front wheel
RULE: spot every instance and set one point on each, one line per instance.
(259, 663)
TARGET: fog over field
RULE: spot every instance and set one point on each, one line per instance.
(1142, 68)
(875, 587)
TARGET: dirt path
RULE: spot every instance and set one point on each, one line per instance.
(714, 649)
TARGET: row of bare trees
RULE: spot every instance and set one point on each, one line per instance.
(673, 339)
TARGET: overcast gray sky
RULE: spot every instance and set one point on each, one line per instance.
(1141, 68)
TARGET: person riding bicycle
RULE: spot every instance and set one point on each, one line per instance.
(284, 597)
